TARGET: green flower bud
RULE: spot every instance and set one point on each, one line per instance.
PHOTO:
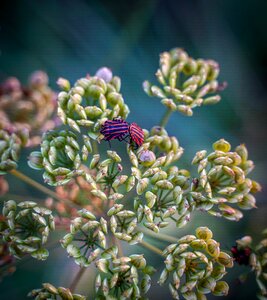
(142, 185)
(204, 233)
(151, 199)
(222, 145)
(163, 276)
(114, 156)
(212, 100)
(133, 158)
(130, 183)
(207, 285)
(164, 184)
(213, 248)
(102, 265)
(225, 259)
(221, 289)
(169, 103)
(138, 261)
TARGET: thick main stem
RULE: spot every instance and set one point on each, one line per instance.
(40, 187)
(77, 279)
(151, 247)
(165, 118)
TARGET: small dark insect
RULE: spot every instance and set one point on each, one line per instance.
(136, 134)
(115, 129)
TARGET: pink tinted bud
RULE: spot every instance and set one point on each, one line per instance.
(120, 168)
(12, 84)
(147, 157)
(63, 83)
(104, 73)
(38, 78)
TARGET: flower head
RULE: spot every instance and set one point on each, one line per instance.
(27, 228)
(197, 264)
(28, 107)
(123, 277)
(186, 82)
(91, 101)
(48, 291)
(223, 181)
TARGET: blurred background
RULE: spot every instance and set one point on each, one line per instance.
(73, 38)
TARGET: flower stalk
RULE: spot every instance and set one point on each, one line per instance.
(165, 118)
(77, 279)
(40, 187)
(151, 247)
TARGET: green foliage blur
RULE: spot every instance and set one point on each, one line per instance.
(73, 38)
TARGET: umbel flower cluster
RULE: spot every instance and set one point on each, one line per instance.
(199, 259)
(107, 203)
(25, 113)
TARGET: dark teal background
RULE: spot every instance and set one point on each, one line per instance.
(73, 38)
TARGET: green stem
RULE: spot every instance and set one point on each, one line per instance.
(77, 279)
(118, 244)
(165, 118)
(108, 202)
(41, 188)
(160, 236)
(151, 247)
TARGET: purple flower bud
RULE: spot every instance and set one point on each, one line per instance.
(147, 157)
(12, 84)
(38, 78)
(104, 73)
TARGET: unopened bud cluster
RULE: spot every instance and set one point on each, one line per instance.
(30, 107)
(123, 224)
(86, 239)
(223, 183)
(48, 291)
(186, 82)
(195, 266)
(27, 228)
(123, 277)
(91, 101)
(60, 157)
(10, 147)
